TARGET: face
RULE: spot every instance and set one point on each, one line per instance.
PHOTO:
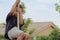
(19, 10)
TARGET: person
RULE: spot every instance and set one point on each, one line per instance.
(11, 30)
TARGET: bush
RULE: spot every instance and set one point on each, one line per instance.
(2, 37)
(55, 35)
(41, 38)
(30, 38)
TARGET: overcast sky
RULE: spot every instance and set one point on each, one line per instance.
(37, 10)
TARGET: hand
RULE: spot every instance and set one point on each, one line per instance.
(17, 1)
(19, 10)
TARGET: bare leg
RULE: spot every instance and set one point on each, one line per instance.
(22, 35)
(26, 37)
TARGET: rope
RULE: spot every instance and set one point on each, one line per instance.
(18, 17)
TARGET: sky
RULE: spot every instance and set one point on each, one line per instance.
(37, 10)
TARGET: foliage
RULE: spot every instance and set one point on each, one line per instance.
(23, 7)
(31, 31)
(26, 24)
(2, 37)
(57, 7)
(54, 34)
(42, 38)
(26, 21)
(30, 37)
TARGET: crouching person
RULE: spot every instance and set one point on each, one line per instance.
(12, 31)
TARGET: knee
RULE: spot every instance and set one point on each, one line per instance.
(26, 36)
(22, 35)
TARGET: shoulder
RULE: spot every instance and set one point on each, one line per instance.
(9, 16)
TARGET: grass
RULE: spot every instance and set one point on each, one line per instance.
(2, 37)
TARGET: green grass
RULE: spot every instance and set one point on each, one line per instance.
(2, 37)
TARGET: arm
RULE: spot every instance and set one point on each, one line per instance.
(21, 22)
(14, 6)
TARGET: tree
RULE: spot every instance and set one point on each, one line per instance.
(26, 24)
(26, 21)
(57, 7)
(42, 38)
(55, 35)
(23, 7)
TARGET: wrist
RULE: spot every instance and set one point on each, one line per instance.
(20, 14)
(16, 4)
(17, 1)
